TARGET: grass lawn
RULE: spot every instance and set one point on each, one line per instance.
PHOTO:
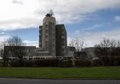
(50, 72)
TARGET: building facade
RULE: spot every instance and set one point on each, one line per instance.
(15, 52)
(53, 37)
(61, 40)
(48, 35)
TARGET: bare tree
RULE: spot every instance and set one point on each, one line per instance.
(2, 54)
(108, 51)
(14, 48)
(14, 41)
(77, 43)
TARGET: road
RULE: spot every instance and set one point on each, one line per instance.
(53, 81)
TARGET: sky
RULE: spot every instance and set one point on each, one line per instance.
(88, 20)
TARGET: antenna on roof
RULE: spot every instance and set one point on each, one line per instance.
(51, 12)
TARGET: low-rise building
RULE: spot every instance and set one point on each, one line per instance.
(70, 52)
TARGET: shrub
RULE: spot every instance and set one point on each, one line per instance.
(116, 61)
(16, 63)
(45, 62)
(65, 63)
(28, 63)
(83, 63)
(97, 62)
(35, 63)
(1, 63)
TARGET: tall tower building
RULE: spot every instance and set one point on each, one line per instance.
(53, 37)
(48, 35)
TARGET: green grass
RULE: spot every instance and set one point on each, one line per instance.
(49, 72)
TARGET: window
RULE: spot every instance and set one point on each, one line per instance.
(62, 37)
(63, 46)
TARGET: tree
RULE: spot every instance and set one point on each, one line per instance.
(77, 43)
(14, 49)
(108, 51)
(2, 54)
(14, 41)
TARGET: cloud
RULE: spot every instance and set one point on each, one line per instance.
(31, 43)
(96, 26)
(91, 38)
(117, 18)
(16, 14)
(3, 33)
(17, 2)
(4, 38)
(19, 24)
